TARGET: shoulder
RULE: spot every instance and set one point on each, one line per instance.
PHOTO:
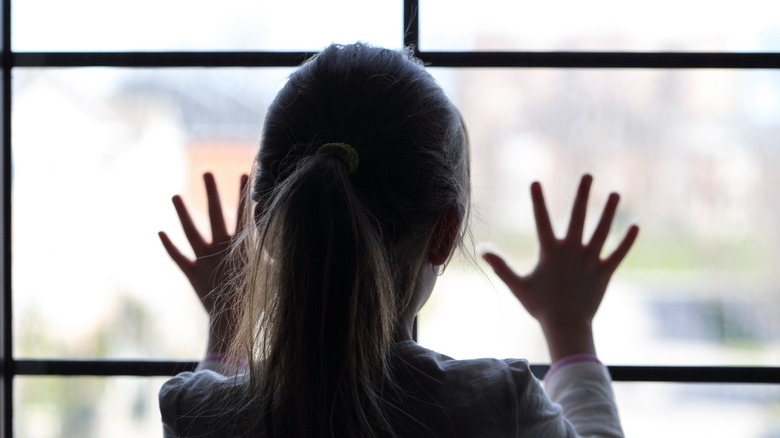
(198, 385)
(190, 399)
(474, 397)
(415, 358)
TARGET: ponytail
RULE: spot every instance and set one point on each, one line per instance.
(328, 312)
(330, 263)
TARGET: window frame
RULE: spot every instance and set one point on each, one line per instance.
(10, 367)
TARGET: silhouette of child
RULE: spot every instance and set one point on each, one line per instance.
(359, 196)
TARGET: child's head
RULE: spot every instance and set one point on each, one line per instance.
(339, 253)
(411, 143)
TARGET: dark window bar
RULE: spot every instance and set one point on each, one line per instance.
(434, 59)
(680, 374)
(6, 308)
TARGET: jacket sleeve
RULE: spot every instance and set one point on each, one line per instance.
(583, 389)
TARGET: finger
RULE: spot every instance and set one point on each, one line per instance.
(184, 263)
(242, 195)
(197, 242)
(504, 272)
(620, 252)
(605, 223)
(544, 228)
(578, 211)
(219, 231)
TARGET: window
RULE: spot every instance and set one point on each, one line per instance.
(99, 132)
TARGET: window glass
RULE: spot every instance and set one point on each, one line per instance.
(97, 155)
(54, 407)
(601, 25)
(696, 170)
(99, 152)
(93, 25)
(721, 410)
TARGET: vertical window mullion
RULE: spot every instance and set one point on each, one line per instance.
(411, 23)
(6, 335)
(411, 38)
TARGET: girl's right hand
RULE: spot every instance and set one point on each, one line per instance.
(567, 286)
(207, 272)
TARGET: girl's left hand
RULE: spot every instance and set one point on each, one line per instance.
(567, 286)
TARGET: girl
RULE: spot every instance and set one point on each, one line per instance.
(359, 196)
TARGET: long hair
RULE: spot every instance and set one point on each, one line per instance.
(331, 259)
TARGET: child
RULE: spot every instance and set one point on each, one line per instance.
(359, 197)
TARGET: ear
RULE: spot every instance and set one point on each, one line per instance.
(445, 236)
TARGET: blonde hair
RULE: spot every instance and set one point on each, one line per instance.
(330, 261)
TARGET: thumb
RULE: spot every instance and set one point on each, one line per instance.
(502, 269)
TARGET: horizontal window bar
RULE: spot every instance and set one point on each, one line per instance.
(160, 59)
(602, 59)
(695, 374)
(101, 367)
(434, 59)
(680, 374)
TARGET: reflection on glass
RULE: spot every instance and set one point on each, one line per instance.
(599, 25)
(99, 152)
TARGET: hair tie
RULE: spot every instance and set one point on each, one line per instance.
(342, 151)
